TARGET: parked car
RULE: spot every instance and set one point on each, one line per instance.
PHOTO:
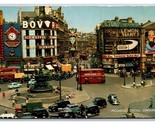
(112, 98)
(7, 116)
(147, 75)
(101, 102)
(58, 104)
(91, 109)
(67, 113)
(4, 80)
(26, 79)
(32, 82)
(14, 85)
(40, 113)
(27, 115)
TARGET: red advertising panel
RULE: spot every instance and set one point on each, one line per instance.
(1, 44)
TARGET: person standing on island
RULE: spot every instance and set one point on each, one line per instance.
(151, 103)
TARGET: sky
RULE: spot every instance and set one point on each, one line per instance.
(86, 17)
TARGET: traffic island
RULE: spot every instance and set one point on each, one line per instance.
(47, 98)
(138, 85)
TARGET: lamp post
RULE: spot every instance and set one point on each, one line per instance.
(59, 75)
(77, 78)
(80, 79)
(124, 80)
(124, 75)
(134, 70)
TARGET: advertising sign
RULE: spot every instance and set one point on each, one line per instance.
(12, 43)
(150, 43)
(1, 43)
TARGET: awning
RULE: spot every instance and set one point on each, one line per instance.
(129, 64)
(49, 67)
(19, 75)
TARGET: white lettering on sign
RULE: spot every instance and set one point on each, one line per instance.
(32, 24)
(39, 24)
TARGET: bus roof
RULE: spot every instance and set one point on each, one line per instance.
(93, 69)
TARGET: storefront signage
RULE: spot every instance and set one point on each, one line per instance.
(120, 56)
(34, 66)
(38, 24)
(129, 32)
(39, 37)
(122, 33)
(131, 45)
(34, 37)
(12, 36)
(45, 47)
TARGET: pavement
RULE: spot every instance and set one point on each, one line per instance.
(47, 98)
(148, 82)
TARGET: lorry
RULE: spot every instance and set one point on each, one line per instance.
(31, 107)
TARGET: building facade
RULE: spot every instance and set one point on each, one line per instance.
(119, 43)
(41, 31)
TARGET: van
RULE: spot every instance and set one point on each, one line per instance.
(40, 113)
(7, 116)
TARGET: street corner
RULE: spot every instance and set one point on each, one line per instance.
(79, 96)
(136, 86)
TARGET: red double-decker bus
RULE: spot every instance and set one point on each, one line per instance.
(93, 75)
(8, 73)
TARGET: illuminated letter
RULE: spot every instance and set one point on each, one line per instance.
(40, 23)
(32, 24)
(25, 24)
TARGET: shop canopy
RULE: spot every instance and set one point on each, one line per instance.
(19, 75)
(49, 67)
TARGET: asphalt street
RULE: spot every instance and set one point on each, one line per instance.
(138, 99)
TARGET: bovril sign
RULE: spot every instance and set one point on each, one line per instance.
(38, 24)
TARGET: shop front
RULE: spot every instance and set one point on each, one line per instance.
(115, 62)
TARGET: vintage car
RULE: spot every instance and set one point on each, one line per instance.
(99, 101)
(112, 98)
(14, 85)
(58, 104)
(32, 82)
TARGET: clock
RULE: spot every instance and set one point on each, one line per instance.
(12, 36)
(72, 40)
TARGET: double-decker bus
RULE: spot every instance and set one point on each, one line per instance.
(92, 75)
(8, 73)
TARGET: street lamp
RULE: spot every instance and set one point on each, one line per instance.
(59, 77)
(124, 75)
(124, 79)
(80, 80)
(77, 78)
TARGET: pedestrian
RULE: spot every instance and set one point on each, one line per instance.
(133, 84)
(5, 112)
(151, 103)
(67, 97)
(129, 110)
(13, 102)
(27, 100)
(3, 94)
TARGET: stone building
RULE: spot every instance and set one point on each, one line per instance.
(119, 43)
(43, 36)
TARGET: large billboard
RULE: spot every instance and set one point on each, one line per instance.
(12, 43)
(150, 43)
